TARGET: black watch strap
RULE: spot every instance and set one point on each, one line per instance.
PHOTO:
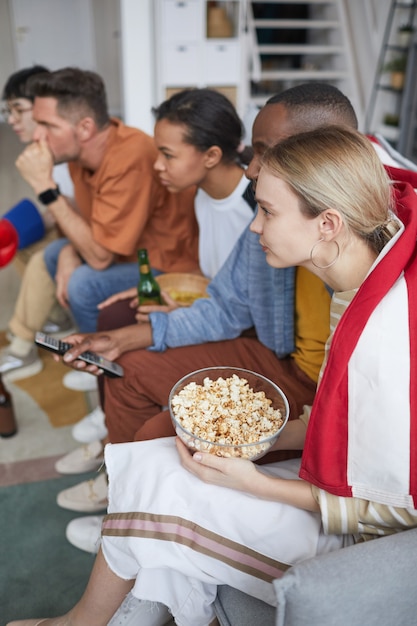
(50, 195)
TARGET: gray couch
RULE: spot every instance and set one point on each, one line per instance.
(369, 584)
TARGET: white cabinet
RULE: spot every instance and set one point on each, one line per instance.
(181, 20)
(221, 62)
(180, 64)
(187, 53)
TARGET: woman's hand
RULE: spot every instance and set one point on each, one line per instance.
(142, 314)
(239, 474)
(127, 294)
(170, 305)
(243, 475)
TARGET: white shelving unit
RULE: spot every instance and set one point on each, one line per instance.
(186, 53)
(260, 56)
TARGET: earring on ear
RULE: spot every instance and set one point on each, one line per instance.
(323, 267)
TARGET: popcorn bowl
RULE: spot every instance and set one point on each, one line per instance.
(213, 410)
(184, 288)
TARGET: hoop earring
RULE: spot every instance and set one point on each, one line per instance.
(323, 267)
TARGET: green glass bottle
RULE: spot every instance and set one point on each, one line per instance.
(149, 291)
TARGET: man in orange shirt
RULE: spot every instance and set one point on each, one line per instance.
(120, 206)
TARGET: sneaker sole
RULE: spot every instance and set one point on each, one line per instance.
(88, 466)
(63, 333)
(80, 507)
(92, 386)
(23, 372)
(89, 437)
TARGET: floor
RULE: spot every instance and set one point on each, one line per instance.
(31, 453)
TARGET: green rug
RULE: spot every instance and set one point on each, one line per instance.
(41, 574)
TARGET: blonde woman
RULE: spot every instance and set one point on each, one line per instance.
(178, 527)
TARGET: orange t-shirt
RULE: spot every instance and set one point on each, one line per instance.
(127, 207)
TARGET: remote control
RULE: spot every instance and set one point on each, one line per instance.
(60, 347)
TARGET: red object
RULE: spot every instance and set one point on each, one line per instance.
(325, 460)
(9, 242)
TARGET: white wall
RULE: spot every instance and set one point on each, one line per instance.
(126, 59)
(138, 63)
(7, 61)
(366, 26)
(367, 19)
(107, 39)
(97, 46)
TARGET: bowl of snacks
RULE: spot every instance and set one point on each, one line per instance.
(184, 288)
(228, 411)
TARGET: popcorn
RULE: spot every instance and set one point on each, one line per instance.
(229, 412)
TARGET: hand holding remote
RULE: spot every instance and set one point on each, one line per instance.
(108, 367)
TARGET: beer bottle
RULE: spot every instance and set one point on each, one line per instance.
(8, 426)
(149, 291)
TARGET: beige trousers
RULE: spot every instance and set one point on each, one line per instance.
(23, 256)
(35, 300)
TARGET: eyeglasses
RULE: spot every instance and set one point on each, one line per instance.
(17, 112)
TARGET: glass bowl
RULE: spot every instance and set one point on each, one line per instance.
(203, 423)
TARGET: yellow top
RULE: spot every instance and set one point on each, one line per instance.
(312, 322)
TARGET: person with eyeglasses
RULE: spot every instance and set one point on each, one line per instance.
(18, 103)
(120, 206)
(16, 111)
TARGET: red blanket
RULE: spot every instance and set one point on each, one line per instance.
(335, 453)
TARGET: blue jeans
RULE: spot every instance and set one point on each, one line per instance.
(88, 287)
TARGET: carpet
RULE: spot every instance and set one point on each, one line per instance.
(62, 406)
(41, 573)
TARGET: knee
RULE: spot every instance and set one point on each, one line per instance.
(51, 254)
(36, 263)
(80, 285)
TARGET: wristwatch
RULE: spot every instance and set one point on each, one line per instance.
(50, 195)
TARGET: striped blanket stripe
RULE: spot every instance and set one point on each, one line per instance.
(198, 538)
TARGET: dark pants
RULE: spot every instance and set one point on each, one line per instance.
(133, 404)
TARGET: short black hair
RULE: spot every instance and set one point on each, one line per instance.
(18, 84)
(318, 100)
(208, 117)
(79, 93)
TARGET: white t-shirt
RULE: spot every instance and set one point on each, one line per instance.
(221, 223)
(63, 179)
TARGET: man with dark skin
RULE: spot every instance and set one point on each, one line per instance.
(245, 294)
(300, 108)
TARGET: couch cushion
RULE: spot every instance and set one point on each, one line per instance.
(234, 608)
(372, 583)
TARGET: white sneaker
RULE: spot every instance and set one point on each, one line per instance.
(80, 381)
(14, 367)
(85, 532)
(86, 458)
(91, 427)
(133, 612)
(59, 330)
(90, 496)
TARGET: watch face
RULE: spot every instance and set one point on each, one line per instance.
(50, 195)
